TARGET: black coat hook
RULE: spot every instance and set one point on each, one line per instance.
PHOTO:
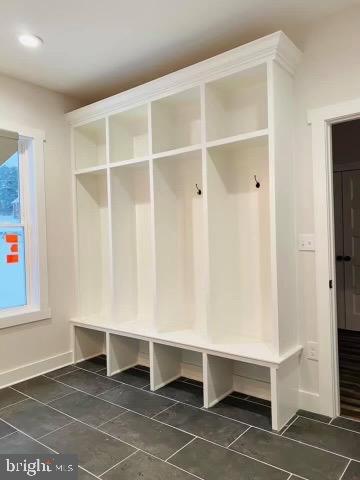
(257, 183)
(198, 190)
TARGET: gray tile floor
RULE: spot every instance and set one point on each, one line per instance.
(122, 431)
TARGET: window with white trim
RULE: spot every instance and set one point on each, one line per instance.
(23, 282)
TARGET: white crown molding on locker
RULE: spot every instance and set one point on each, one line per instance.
(275, 46)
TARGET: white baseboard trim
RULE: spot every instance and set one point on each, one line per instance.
(309, 401)
(30, 370)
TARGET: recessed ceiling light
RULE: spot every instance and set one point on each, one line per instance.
(31, 41)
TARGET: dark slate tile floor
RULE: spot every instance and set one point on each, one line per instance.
(212, 462)
(352, 472)
(61, 371)
(43, 389)
(93, 364)
(314, 416)
(137, 400)
(97, 452)
(122, 431)
(132, 376)
(149, 435)
(346, 423)
(145, 467)
(20, 443)
(87, 382)
(289, 455)
(86, 408)
(182, 392)
(336, 440)
(8, 396)
(250, 413)
(203, 424)
(34, 418)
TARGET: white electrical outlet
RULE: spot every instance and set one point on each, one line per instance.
(312, 351)
(307, 242)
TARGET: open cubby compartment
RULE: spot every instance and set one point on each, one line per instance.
(125, 352)
(179, 240)
(88, 343)
(252, 380)
(169, 363)
(133, 273)
(90, 144)
(223, 376)
(129, 134)
(236, 104)
(239, 244)
(93, 246)
(176, 121)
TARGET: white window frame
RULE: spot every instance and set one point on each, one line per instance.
(33, 219)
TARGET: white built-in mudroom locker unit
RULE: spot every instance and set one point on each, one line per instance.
(184, 225)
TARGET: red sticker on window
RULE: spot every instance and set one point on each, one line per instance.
(12, 258)
(14, 248)
(11, 238)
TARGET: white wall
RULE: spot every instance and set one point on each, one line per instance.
(36, 107)
(329, 73)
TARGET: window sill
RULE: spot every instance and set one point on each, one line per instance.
(19, 316)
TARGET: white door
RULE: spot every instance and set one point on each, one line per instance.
(351, 252)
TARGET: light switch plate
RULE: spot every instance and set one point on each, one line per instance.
(306, 242)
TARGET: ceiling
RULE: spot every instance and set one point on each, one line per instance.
(94, 49)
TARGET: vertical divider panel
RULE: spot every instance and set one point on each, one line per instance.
(218, 379)
(206, 257)
(272, 208)
(152, 210)
(123, 353)
(107, 140)
(282, 200)
(75, 229)
(108, 355)
(87, 343)
(165, 365)
(111, 256)
(150, 133)
(284, 392)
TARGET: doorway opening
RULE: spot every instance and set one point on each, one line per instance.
(346, 194)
